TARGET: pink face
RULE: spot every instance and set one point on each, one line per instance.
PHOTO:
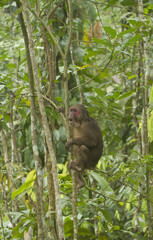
(73, 114)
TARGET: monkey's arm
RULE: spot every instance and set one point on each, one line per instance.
(88, 137)
(88, 142)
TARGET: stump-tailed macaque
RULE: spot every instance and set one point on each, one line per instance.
(86, 140)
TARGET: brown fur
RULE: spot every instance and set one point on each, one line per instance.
(86, 140)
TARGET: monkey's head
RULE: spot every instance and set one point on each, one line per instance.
(78, 114)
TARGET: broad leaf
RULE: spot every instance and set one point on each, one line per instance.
(104, 184)
(125, 95)
(27, 185)
(133, 40)
(110, 31)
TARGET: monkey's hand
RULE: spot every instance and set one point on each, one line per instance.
(68, 144)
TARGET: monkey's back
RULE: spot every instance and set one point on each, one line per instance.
(96, 151)
(89, 135)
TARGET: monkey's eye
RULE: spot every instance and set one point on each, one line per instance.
(73, 110)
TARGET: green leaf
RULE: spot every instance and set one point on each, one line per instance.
(100, 92)
(2, 3)
(11, 65)
(106, 215)
(135, 22)
(116, 95)
(103, 182)
(22, 113)
(112, 2)
(95, 53)
(1, 86)
(115, 228)
(85, 232)
(59, 99)
(102, 42)
(27, 185)
(127, 2)
(104, 73)
(31, 175)
(18, 11)
(7, 117)
(110, 31)
(126, 32)
(150, 127)
(150, 119)
(125, 95)
(151, 95)
(133, 40)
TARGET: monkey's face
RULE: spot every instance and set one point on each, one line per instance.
(78, 114)
(74, 116)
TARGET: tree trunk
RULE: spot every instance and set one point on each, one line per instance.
(45, 125)
(145, 141)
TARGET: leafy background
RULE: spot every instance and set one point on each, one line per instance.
(114, 204)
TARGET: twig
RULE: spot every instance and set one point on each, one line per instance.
(123, 183)
(48, 30)
(55, 106)
(93, 76)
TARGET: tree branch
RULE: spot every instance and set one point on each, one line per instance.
(48, 30)
(93, 76)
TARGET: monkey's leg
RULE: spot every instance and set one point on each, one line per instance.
(81, 161)
(79, 164)
(69, 167)
(79, 180)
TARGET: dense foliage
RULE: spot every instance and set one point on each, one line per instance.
(108, 68)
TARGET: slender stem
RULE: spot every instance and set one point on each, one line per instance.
(52, 156)
(48, 30)
(111, 57)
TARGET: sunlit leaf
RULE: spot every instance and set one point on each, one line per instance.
(100, 92)
(110, 31)
(125, 95)
(102, 42)
(1, 86)
(150, 127)
(121, 34)
(27, 185)
(103, 182)
(28, 102)
(59, 99)
(133, 40)
(85, 66)
(85, 38)
(11, 65)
